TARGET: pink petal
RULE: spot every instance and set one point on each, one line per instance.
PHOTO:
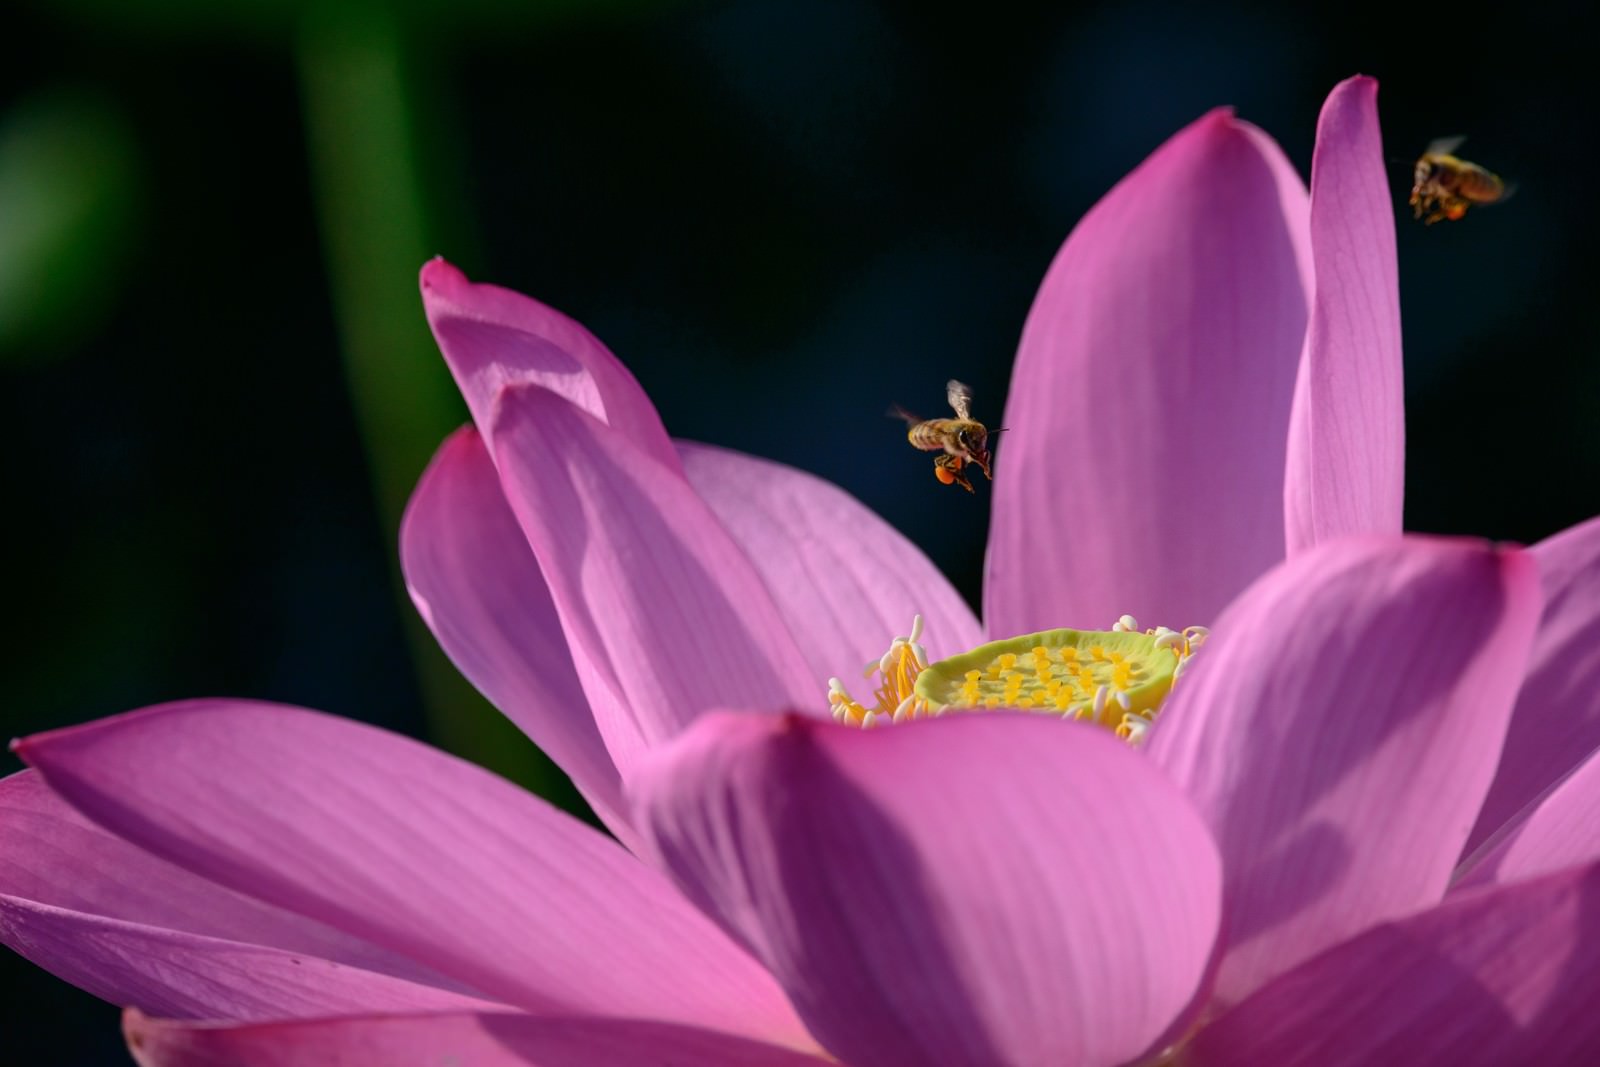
(1557, 721)
(1293, 200)
(467, 1040)
(1506, 976)
(1346, 465)
(492, 337)
(53, 857)
(847, 581)
(997, 889)
(478, 585)
(663, 612)
(1558, 830)
(392, 841)
(1142, 466)
(1339, 731)
(188, 976)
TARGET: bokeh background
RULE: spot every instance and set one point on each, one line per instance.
(782, 214)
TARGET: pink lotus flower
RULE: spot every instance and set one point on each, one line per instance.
(1296, 867)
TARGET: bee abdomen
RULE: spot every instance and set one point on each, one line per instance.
(927, 436)
(1481, 185)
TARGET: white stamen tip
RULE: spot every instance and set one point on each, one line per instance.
(1100, 700)
(916, 629)
(1122, 698)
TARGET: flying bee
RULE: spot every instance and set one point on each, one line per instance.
(960, 441)
(1444, 186)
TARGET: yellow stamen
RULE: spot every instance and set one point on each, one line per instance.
(1117, 679)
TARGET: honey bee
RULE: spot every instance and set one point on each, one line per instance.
(960, 441)
(1444, 186)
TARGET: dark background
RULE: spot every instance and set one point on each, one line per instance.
(218, 384)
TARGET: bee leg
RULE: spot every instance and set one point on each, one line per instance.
(947, 469)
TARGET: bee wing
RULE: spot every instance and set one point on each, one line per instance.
(960, 398)
(1445, 146)
(897, 412)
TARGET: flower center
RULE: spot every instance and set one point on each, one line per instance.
(1117, 678)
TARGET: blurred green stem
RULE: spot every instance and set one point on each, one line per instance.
(362, 130)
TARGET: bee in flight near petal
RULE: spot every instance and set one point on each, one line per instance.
(1444, 186)
(959, 441)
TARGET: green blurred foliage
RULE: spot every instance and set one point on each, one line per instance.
(376, 200)
(69, 203)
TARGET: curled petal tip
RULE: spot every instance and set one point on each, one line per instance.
(439, 274)
(26, 748)
(1517, 564)
(440, 277)
(1513, 553)
(1360, 89)
(132, 1020)
(1214, 129)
